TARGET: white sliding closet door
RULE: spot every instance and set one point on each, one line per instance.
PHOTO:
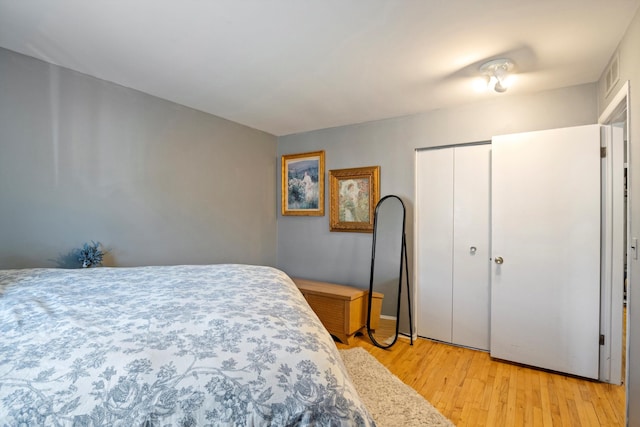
(471, 247)
(434, 210)
(453, 269)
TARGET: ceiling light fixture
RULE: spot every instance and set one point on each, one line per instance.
(496, 73)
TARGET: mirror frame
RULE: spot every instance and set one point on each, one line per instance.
(403, 263)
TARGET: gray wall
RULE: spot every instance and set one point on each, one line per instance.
(307, 249)
(630, 71)
(83, 159)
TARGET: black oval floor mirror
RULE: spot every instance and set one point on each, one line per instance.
(388, 267)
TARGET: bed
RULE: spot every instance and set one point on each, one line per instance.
(217, 345)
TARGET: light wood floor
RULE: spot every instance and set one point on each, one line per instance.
(471, 389)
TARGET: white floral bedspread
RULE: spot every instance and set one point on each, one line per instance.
(219, 345)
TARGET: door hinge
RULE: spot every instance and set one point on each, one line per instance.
(603, 152)
(601, 339)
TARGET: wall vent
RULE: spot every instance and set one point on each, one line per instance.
(612, 74)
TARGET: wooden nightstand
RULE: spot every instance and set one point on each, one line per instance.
(341, 309)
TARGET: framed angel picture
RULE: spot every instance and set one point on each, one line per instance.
(303, 184)
(354, 195)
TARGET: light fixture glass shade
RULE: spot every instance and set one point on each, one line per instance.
(497, 74)
(498, 87)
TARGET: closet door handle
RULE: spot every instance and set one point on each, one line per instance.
(499, 260)
(473, 250)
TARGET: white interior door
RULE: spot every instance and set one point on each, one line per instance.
(471, 267)
(545, 295)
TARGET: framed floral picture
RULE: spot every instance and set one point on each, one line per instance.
(303, 184)
(354, 195)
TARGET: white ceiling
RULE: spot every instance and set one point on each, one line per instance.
(288, 66)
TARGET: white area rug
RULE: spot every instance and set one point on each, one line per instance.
(391, 402)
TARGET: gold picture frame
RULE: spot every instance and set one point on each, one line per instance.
(354, 195)
(303, 184)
